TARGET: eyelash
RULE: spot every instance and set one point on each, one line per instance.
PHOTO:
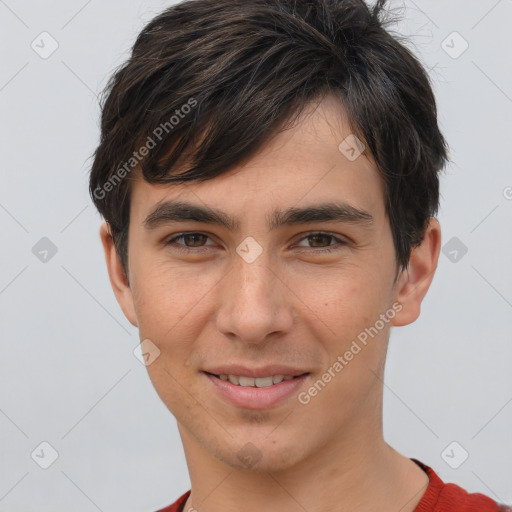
(182, 248)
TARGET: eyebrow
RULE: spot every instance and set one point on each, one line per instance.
(180, 211)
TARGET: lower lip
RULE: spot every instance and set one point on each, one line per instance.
(257, 398)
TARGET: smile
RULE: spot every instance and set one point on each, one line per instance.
(256, 392)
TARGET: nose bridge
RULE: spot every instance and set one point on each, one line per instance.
(252, 303)
(254, 277)
(252, 280)
(251, 265)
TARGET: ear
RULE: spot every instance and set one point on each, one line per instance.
(118, 280)
(413, 283)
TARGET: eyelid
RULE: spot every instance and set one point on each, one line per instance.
(338, 238)
(176, 236)
(340, 242)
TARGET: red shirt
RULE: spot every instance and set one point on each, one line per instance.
(439, 497)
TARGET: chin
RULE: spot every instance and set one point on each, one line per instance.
(264, 454)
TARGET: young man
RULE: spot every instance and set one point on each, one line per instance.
(268, 173)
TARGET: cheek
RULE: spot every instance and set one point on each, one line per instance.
(167, 296)
(351, 305)
(171, 314)
(348, 298)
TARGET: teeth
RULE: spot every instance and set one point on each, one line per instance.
(260, 382)
(264, 382)
(246, 381)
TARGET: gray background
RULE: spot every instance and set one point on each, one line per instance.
(68, 373)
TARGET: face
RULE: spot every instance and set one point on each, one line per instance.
(255, 300)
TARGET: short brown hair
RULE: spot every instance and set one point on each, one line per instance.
(221, 77)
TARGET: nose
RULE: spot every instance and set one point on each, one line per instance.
(254, 302)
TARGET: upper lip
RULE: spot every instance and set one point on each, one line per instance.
(265, 371)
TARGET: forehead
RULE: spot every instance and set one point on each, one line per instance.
(311, 162)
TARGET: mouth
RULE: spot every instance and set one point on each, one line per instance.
(256, 393)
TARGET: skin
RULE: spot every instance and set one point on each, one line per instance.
(294, 305)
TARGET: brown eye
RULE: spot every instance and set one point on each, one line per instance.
(316, 238)
(193, 242)
(194, 239)
(321, 241)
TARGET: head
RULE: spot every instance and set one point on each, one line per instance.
(298, 140)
